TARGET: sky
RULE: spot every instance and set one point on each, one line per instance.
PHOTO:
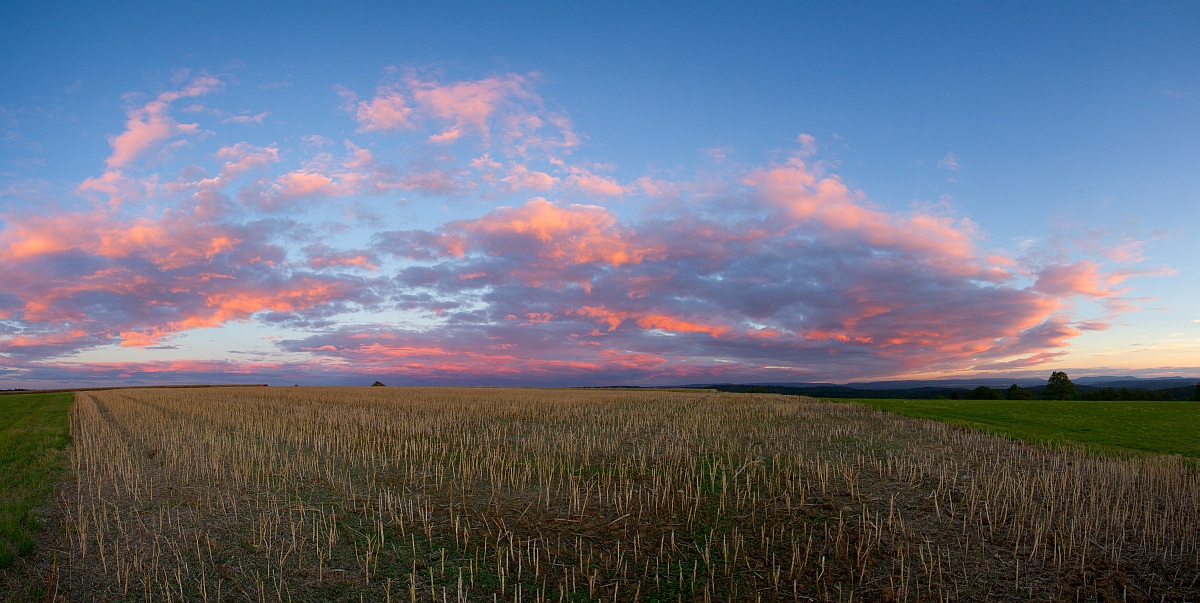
(555, 194)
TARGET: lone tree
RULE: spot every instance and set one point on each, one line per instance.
(1196, 396)
(1059, 387)
(377, 384)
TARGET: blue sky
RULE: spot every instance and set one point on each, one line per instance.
(785, 192)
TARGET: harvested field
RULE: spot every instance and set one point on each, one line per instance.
(392, 494)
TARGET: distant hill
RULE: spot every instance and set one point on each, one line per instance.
(1136, 383)
(834, 391)
(1178, 388)
(947, 383)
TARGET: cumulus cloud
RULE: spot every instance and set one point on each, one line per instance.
(387, 110)
(357, 172)
(523, 178)
(151, 124)
(466, 106)
(1076, 278)
(594, 185)
(82, 279)
(321, 256)
(504, 111)
(803, 274)
(773, 272)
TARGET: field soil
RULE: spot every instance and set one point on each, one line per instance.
(405, 494)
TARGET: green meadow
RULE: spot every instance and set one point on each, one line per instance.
(1121, 428)
(33, 432)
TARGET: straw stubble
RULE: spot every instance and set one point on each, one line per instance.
(440, 494)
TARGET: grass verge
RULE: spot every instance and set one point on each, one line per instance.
(1122, 428)
(33, 432)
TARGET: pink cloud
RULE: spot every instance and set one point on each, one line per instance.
(657, 188)
(466, 105)
(803, 198)
(594, 185)
(661, 322)
(388, 110)
(321, 257)
(781, 271)
(456, 361)
(141, 280)
(504, 107)
(41, 339)
(199, 86)
(239, 304)
(522, 178)
(825, 279)
(151, 124)
(146, 127)
(356, 261)
(170, 243)
(512, 176)
(304, 183)
(243, 157)
(1077, 278)
(573, 234)
(356, 173)
(111, 182)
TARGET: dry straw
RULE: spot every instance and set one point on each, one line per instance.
(389, 494)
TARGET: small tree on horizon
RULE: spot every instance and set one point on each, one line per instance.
(1196, 396)
(1059, 387)
(1016, 392)
(982, 392)
(378, 384)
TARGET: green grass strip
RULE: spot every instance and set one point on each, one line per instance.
(33, 432)
(1122, 428)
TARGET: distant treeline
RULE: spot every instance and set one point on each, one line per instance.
(983, 392)
(99, 389)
